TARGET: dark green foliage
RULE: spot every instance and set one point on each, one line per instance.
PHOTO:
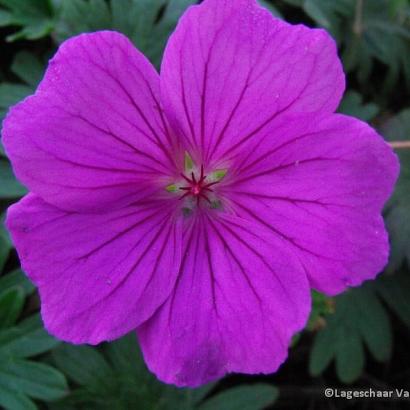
(352, 104)
(29, 70)
(397, 128)
(256, 396)
(367, 31)
(11, 305)
(273, 9)
(18, 279)
(352, 333)
(146, 22)
(116, 377)
(394, 289)
(10, 187)
(21, 378)
(359, 320)
(33, 17)
(5, 247)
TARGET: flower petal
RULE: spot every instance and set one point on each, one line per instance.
(230, 69)
(99, 276)
(237, 302)
(320, 184)
(92, 135)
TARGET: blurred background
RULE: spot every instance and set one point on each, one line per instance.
(359, 339)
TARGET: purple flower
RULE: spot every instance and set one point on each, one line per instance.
(198, 207)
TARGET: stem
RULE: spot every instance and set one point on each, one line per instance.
(358, 18)
(400, 144)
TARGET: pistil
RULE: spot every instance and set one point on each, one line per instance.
(197, 188)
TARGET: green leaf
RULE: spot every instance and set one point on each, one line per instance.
(315, 9)
(71, 359)
(195, 396)
(6, 19)
(157, 32)
(124, 355)
(251, 397)
(395, 290)
(271, 8)
(34, 379)
(323, 350)
(296, 3)
(374, 325)
(148, 23)
(4, 252)
(16, 278)
(78, 16)
(11, 94)
(12, 400)
(3, 231)
(372, 33)
(116, 377)
(5, 245)
(9, 187)
(349, 356)
(359, 319)
(35, 18)
(352, 104)
(11, 305)
(19, 377)
(398, 209)
(27, 339)
(28, 68)
(328, 14)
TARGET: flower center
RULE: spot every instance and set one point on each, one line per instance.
(197, 188)
(194, 185)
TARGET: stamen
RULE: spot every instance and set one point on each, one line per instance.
(210, 184)
(197, 186)
(202, 174)
(202, 195)
(186, 178)
(183, 196)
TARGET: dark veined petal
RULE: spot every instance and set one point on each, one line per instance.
(231, 69)
(320, 185)
(238, 299)
(92, 137)
(99, 276)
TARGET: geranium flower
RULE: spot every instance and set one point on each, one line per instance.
(201, 205)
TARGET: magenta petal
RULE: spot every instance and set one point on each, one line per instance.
(99, 275)
(320, 185)
(238, 300)
(92, 135)
(230, 69)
